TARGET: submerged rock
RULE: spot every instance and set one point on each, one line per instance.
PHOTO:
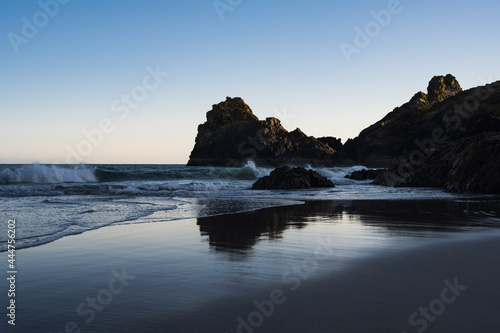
(365, 174)
(233, 135)
(286, 178)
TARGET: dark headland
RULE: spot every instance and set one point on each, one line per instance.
(446, 138)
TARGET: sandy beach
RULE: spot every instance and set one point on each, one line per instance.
(449, 286)
(317, 267)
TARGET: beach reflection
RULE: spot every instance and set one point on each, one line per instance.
(242, 231)
(415, 218)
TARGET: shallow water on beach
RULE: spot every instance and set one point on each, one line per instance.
(201, 275)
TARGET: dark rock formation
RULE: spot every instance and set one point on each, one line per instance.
(233, 135)
(470, 164)
(421, 140)
(286, 178)
(331, 141)
(365, 174)
(445, 113)
(441, 88)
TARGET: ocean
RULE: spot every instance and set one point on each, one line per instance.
(54, 201)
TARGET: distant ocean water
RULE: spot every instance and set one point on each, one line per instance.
(54, 201)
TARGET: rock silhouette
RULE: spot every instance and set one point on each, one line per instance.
(286, 178)
(445, 113)
(470, 165)
(233, 135)
(420, 141)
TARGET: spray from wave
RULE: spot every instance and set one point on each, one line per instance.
(172, 174)
(47, 174)
(59, 174)
(337, 174)
(248, 172)
(119, 173)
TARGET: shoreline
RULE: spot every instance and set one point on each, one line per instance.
(203, 274)
(289, 203)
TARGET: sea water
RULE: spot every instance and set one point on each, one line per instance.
(49, 202)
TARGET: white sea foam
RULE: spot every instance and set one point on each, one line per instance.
(168, 188)
(248, 172)
(257, 171)
(47, 174)
(337, 174)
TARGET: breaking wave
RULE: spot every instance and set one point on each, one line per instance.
(172, 177)
(337, 174)
(161, 173)
(47, 174)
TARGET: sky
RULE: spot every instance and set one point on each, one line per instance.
(129, 81)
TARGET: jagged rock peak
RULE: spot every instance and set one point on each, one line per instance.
(332, 142)
(442, 87)
(298, 133)
(271, 121)
(231, 110)
(419, 101)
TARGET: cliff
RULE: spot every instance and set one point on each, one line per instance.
(444, 113)
(470, 165)
(233, 135)
(446, 137)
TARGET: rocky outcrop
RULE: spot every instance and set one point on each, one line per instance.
(470, 165)
(233, 135)
(286, 178)
(331, 141)
(365, 174)
(420, 141)
(445, 113)
(441, 88)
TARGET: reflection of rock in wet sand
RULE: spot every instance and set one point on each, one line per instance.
(242, 231)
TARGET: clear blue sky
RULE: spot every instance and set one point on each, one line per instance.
(284, 58)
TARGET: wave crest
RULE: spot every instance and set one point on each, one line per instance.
(47, 174)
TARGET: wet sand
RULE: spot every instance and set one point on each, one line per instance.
(272, 271)
(449, 286)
